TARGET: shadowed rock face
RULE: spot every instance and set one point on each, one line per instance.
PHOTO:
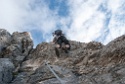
(6, 68)
(86, 63)
(15, 44)
(23, 41)
(5, 39)
(16, 48)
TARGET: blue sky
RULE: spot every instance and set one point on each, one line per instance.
(81, 20)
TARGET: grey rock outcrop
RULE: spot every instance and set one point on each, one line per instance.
(20, 46)
(82, 65)
(22, 41)
(86, 63)
(6, 69)
(5, 39)
(16, 48)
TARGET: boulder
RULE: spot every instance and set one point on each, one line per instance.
(6, 69)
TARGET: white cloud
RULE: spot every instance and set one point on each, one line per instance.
(116, 26)
(85, 22)
(88, 22)
(18, 15)
(27, 15)
(8, 14)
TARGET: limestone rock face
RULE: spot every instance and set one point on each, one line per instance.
(5, 39)
(16, 48)
(20, 46)
(23, 41)
(86, 63)
(6, 68)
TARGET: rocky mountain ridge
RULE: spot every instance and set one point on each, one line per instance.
(86, 63)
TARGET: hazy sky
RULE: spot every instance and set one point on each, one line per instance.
(81, 20)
